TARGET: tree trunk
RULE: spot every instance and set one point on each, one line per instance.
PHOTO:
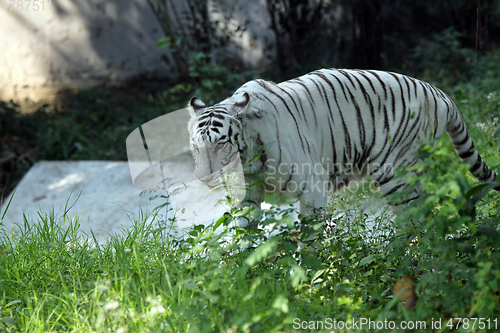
(367, 34)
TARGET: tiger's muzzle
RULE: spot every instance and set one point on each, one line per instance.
(215, 161)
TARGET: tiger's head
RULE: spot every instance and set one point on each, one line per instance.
(216, 136)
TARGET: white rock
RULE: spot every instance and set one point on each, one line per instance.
(99, 192)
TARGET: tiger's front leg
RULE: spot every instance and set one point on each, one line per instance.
(314, 195)
(313, 201)
(249, 219)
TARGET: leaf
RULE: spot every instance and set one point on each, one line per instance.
(375, 295)
(477, 192)
(207, 83)
(366, 260)
(262, 252)
(11, 303)
(6, 207)
(463, 184)
(289, 245)
(164, 43)
(298, 275)
(178, 42)
(281, 303)
(289, 220)
(310, 261)
(199, 56)
(9, 321)
(317, 275)
(221, 220)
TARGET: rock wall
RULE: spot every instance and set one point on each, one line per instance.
(63, 44)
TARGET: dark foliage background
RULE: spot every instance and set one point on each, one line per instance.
(375, 34)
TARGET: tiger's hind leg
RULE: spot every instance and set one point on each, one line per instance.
(399, 195)
(396, 189)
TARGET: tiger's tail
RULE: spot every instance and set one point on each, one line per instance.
(467, 151)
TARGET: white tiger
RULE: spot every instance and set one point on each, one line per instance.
(308, 136)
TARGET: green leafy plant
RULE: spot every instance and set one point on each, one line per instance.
(445, 56)
(205, 78)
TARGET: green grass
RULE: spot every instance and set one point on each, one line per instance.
(54, 279)
(145, 280)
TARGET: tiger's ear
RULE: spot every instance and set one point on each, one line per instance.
(196, 105)
(243, 107)
(241, 102)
